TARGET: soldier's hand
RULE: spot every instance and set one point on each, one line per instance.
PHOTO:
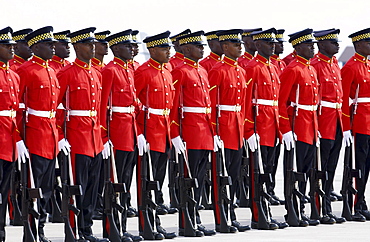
(141, 144)
(64, 145)
(106, 151)
(289, 139)
(22, 151)
(179, 145)
(347, 138)
(253, 142)
(217, 144)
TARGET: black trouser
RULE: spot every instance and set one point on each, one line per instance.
(268, 155)
(330, 150)
(43, 170)
(159, 166)
(271, 186)
(362, 157)
(198, 160)
(5, 172)
(233, 160)
(87, 171)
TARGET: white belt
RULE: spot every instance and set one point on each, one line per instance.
(197, 110)
(363, 100)
(331, 105)
(305, 107)
(83, 113)
(8, 113)
(162, 112)
(267, 102)
(231, 108)
(43, 114)
(129, 109)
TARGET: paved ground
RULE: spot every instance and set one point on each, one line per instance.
(349, 231)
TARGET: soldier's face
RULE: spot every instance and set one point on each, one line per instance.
(6, 52)
(23, 50)
(194, 52)
(249, 44)
(85, 51)
(62, 50)
(215, 46)
(306, 50)
(45, 50)
(124, 51)
(266, 49)
(328, 47)
(363, 47)
(279, 48)
(160, 54)
(232, 50)
(101, 49)
(135, 48)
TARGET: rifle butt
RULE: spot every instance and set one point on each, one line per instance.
(68, 232)
(27, 232)
(147, 229)
(291, 218)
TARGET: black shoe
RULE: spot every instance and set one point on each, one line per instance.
(207, 232)
(274, 202)
(333, 198)
(303, 223)
(95, 239)
(365, 213)
(305, 199)
(230, 229)
(281, 225)
(311, 222)
(131, 212)
(338, 220)
(97, 215)
(167, 235)
(241, 228)
(133, 237)
(358, 217)
(325, 219)
(43, 238)
(126, 239)
(161, 210)
(272, 226)
(197, 233)
(201, 207)
(235, 205)
(157, 236)
(339, 197)
(282, 202)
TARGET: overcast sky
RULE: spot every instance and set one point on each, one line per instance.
(155, 16)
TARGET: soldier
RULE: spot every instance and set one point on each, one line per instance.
(101, 49)
(228, 86)
(118, 86)
(155, 90)
(178, 58)
(135, 46)
(80, 87)
(22, 51)
(10, 141)
(192, 95)
(249, 47)
(62, 51)
(279, 49)
(263, 89)
(216, 51)
(355, 76)
(39, 88)
(330, 112)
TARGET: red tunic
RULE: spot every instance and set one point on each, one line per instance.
(328, 73)
(289, 58)
(228, 87)
(133, 64)
(210, 61)
(192, 90)
(41, 85)
(176, 59)
(154, 88)
(97, 64)
(16, 62)
(356, 72)
(118, 81)
(261, 74)
(299, 72)
(58, 63)
(280, 64)
(244, 59)
(9, 90)
(83, 133)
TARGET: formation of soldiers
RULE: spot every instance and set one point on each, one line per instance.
(218, 122)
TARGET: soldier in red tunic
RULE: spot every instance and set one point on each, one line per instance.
(178, 57)
(355, 79)
(101, 49)
(216, 51)
(279, 49)
(80, 88)
(249, 47)
(22, 51)
(135, 45)
(62, 51)
(39, 88)
(10, 141)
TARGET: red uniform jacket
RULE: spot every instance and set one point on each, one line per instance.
(289, 58)
(263, 83)
(58, 63)
(210, 61)
(118, 81)
(97, 64)
(328, 74)
(154, 88)
(16, 62)
(83, 82)
(228, 87)
(356, 72)
(299, 72)
(9, 90)
(192, 90)
(41, 85)
(280, 64)
(133, 64)
(245, 59)
(176, 59)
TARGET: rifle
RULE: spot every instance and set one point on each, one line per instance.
(55, 208)
(173, 171)
(206, 187)
(69, 190)
(28, 194)
(111, 189)
(244, 180)
(14, 193)
(292, 177)
(145, 186)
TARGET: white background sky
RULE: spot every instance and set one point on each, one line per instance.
(155, 16)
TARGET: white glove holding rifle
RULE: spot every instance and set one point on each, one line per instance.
(106, 151)
(217, 144)
(289, 139)
(22, 151)
(253, 142)
(141, 144)
(178, 144)
(63, 145)
(347, 138)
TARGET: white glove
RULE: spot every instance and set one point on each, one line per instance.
(318, 139)
(347, 138)
(253, 142)
(277, 141)
(64, 146)
(288, 139)
(141, 144)
(22, 151)
(106, 151)
(217, 144)
(179, 145)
